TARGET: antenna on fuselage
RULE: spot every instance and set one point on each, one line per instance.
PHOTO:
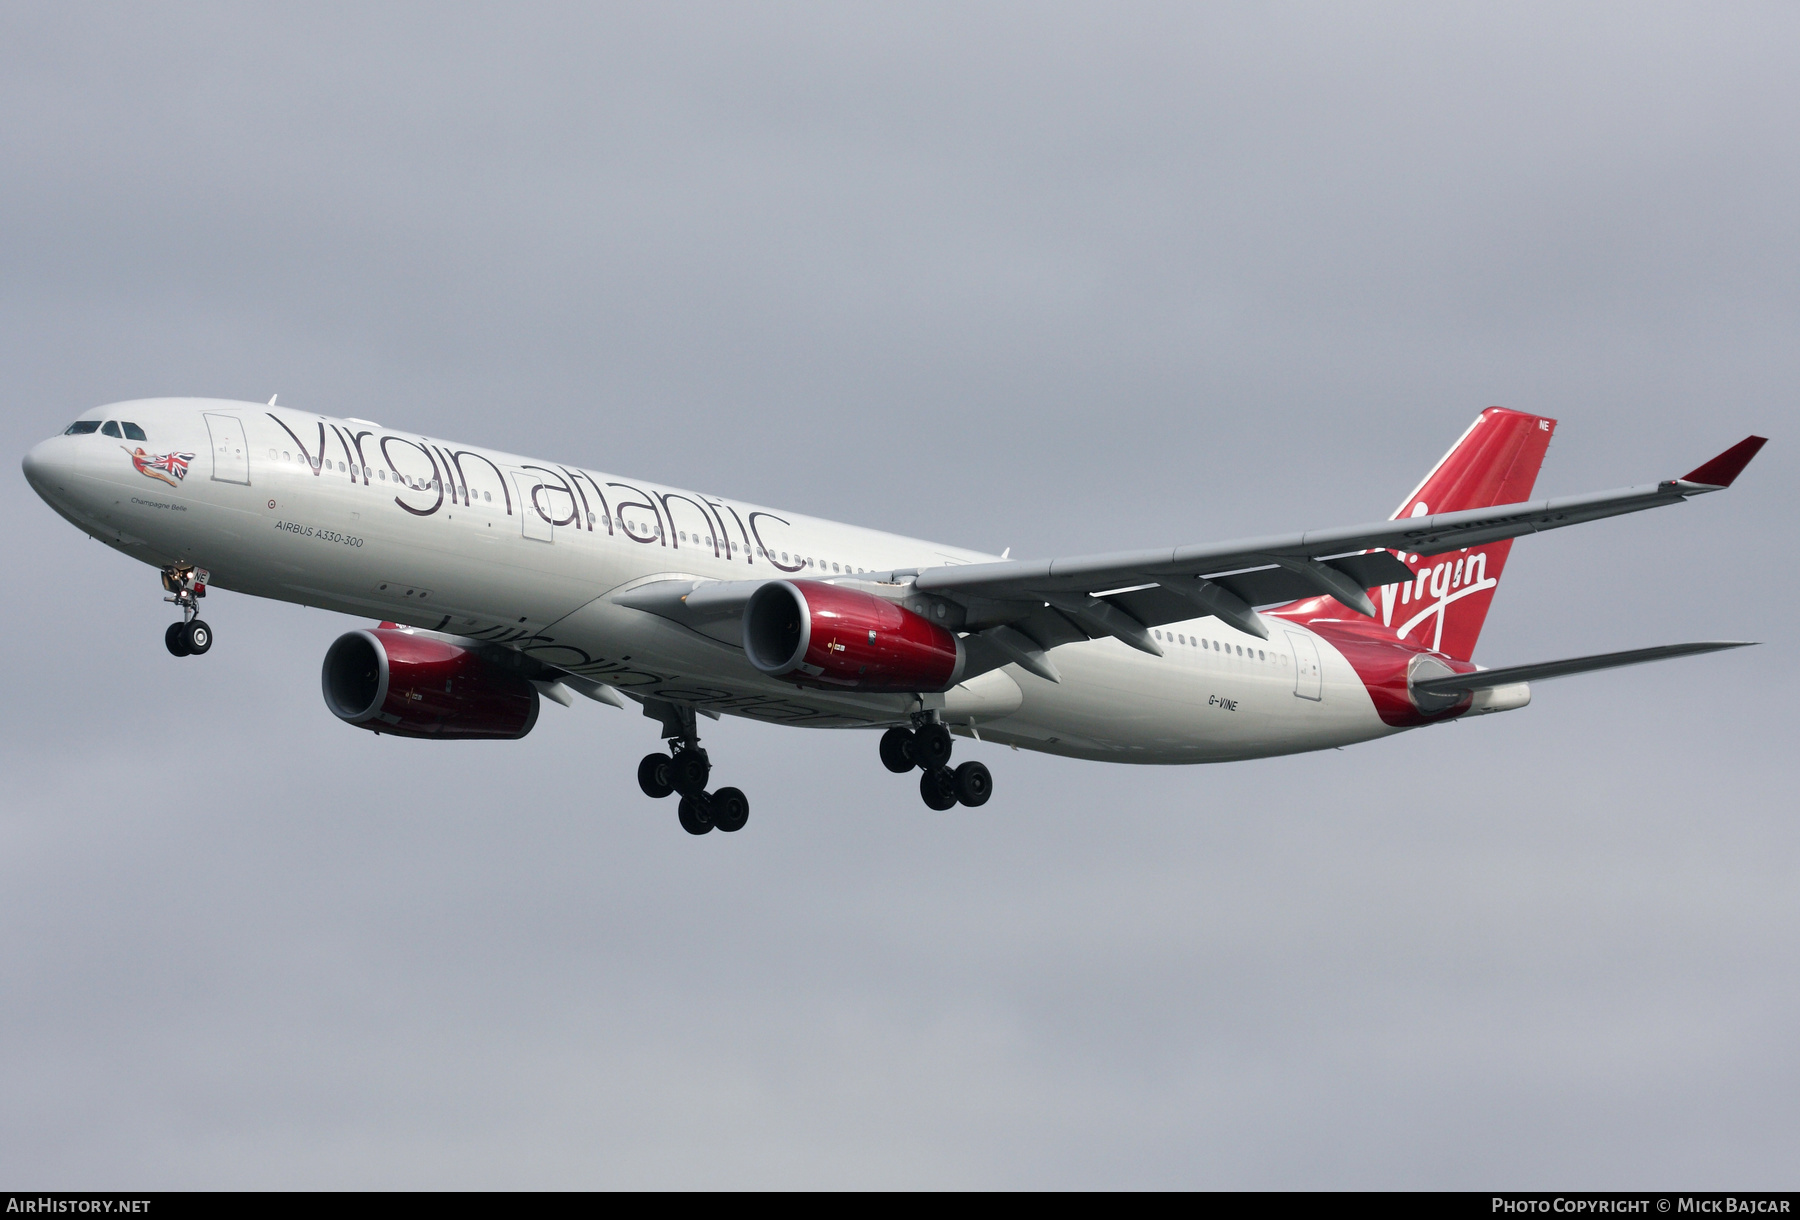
(272, 399)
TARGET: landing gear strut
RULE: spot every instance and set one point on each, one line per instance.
(187, 585)
(928, 748)
(685, 770)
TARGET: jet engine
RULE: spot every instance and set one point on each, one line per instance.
(393, 681)
(817, 634)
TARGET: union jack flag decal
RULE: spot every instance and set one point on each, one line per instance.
(171, 468)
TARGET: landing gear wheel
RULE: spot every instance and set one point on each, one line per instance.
(931, 747)
(897, 750)
(172, 639)
(696, 817)
(688, 772)
(730, 809)
(938, 787)
(196, 637)
(653, 775)
(973, 784)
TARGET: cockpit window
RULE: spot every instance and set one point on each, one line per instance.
(133, 432)
(82, 427)
(111, 429)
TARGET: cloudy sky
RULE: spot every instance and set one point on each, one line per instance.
(1058, 278)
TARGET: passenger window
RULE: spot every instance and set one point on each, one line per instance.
(82, 427)
(111, 429)
(133, 432)
(488, 496)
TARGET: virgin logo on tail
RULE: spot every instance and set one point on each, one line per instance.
(1495, 462)
(1443, 583)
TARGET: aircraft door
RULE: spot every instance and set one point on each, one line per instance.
(230, 451)
(1309, 678)
(535, 509)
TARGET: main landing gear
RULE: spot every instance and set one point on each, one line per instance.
(685, 770)
(927, 747)
(190, 637)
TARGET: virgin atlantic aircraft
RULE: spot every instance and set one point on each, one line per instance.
(500, 580)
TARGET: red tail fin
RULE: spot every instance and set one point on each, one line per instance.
(1495, 462)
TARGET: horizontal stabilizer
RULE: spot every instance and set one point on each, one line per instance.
(1486, 678)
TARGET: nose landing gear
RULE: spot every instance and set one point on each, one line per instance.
(928, 748)
(190, 637)
(685, 770)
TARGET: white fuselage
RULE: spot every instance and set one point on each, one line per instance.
(350, 516)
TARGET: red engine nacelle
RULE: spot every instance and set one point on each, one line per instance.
(817, 634)
(392, 681)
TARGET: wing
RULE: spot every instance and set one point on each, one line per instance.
(1123, 594)
(1014, 612)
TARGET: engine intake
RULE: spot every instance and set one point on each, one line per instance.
(825, 635)
(392, 681)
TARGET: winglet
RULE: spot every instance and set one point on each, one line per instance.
(1728, 465)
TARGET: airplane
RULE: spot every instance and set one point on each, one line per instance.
(501, 580)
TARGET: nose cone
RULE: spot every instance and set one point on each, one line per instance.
(37, 466)
(48, 468)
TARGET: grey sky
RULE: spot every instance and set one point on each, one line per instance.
(1054, 278)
